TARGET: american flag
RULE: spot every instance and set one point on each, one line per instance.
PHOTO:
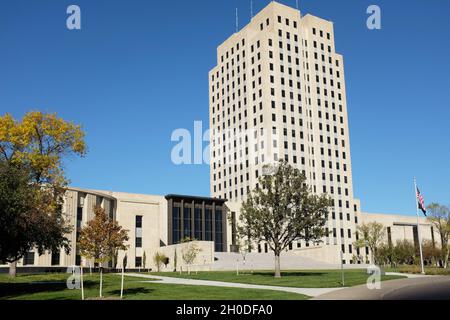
(421, 202)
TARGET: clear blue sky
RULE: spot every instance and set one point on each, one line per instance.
(138, 70)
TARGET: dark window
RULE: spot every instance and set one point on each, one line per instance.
(78, 260)
(233, 228)
(416, 237)
(111, 210)
(389, 236)
(218, 231)
(56, 258)
(138, 221)
(79, 213)
(138, 242)
(198, 224)
(208, 225)
(98, 201)
(138, 262)
(28, 259)
(187, 223)
(176, 230)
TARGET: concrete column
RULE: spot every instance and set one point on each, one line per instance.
(203, 220)
(182, 219)
(224, 229)
(213, 227)
(193, 220)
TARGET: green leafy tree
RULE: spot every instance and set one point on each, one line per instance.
(175, 260)
(159, 260)
(144, 260)
(100, 238)
(189, 253)
(244, 247)
(405, 252)
(371, 235)
(38, 145)
(125, 261)
(283, 209)
(440, 218)
(431, 253)
(26, 218)
(385, 254)
(243, 239)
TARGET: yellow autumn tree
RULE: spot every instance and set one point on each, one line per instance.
(101, 239)
(41, 141)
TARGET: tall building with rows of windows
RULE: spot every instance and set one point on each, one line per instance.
(278, 92)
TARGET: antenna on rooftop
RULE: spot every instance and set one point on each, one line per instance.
(296, 4)
(251, 8)
(237, 20)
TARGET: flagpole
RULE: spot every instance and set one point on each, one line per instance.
(418, 226)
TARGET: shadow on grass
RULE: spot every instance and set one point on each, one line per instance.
(9, 290)
(132, 291)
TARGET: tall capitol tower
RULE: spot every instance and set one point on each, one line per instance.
(278, 92)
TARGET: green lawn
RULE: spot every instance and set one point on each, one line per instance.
(299, 279)
(53, 287)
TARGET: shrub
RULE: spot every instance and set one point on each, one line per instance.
(159, 259)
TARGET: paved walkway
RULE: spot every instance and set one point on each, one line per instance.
(415, 287)
(408, 275)
(311, 292)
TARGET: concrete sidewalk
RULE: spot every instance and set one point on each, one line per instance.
(310, 292)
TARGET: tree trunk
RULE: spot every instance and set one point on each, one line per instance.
(445, 252)
(277, 265)
(13, 269)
